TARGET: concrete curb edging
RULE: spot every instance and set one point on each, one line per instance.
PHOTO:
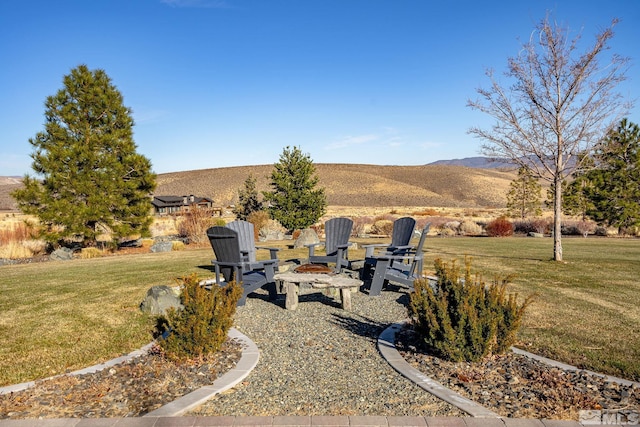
(387, 348)
(248, 361)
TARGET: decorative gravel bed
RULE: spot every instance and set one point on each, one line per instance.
(322, 360)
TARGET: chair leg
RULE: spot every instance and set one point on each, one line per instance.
(243, 299)
(378, 278)
(269, 272)
(273, 292)
(365, 273)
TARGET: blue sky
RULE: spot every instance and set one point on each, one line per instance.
(216, 83)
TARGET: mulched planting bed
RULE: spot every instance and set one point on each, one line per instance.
(130, 389)
(516, 386)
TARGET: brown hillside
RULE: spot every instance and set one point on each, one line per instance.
(359, 185)
(345, 185)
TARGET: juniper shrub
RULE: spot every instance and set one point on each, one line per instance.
(201, 327)
(461, 318)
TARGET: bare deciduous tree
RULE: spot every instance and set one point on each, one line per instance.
(560, 103)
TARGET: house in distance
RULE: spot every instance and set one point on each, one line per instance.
(177, 205)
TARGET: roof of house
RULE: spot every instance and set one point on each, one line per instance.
(166, 201)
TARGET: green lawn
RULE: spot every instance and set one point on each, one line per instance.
(61, 316)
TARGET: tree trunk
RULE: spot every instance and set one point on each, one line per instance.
(557, 218)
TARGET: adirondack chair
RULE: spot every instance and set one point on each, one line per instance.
(399, 269)
(336, 244)
(231, 264)
(400, 238)
(248, 249)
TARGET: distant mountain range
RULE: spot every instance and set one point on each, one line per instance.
(476, 162)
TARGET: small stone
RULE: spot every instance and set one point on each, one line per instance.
(61, 254)
(162, 247)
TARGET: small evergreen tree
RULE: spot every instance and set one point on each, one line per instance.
(247, 199)
(461, 318)
(294, 200)
(523, 198)
(201, 327)
(92, 180)
(615, 189)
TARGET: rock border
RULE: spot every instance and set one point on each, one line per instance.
(89, 370)
(388, 350)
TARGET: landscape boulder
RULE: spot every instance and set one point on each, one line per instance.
(269, 235)
(162, 247)
(272, 230)
(307, 237)
(61, 254)
(161, 298)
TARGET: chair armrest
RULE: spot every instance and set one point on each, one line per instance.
(227, 264)
(312, 247)
(273, 252)
(391, 257)
(267, 248)
(368, 249)
(400, 249)
(237, 269)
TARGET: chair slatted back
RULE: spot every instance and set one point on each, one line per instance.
(246, 238)
(337, 232)
(402, 231)
(225, 244)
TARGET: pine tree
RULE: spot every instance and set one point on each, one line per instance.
(615, 189)
(294, 200)
(523, 198)
(89, 179)
(575, 200)
(247, 199)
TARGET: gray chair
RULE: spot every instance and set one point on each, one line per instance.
(231, 264)
(248, 249)
(336, 245)
(399, 269)
(400, 237)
